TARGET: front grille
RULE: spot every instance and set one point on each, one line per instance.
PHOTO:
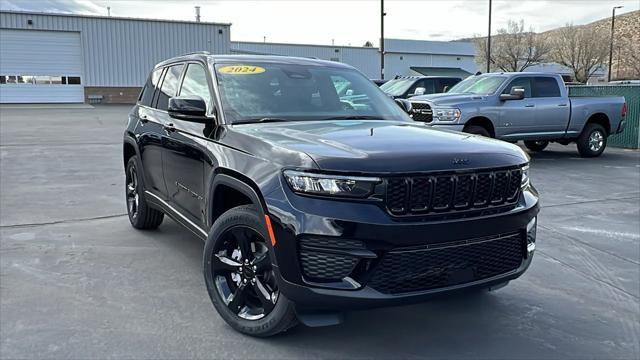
(421, 112)
(442, 194)
(435, 266)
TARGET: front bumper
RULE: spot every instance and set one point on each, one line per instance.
(370, 234)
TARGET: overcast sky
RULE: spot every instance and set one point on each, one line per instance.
(343, 21)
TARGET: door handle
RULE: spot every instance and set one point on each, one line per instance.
(169, 127)
(529, 105)
(562, 105)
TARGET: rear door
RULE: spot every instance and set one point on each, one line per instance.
(552, 109)
(150, 128)
(517, 116)
(185, 158)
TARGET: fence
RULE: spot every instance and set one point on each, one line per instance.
(630, 137)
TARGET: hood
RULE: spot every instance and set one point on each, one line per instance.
(379, 146)
(448, 99)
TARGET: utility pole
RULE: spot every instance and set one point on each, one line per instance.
(613, 21)
(489, 41)
(197, 13)
(382, 14)
(109, 11)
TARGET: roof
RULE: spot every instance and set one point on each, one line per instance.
(444, 72)
(429, 47)
(240, 43)
(112, 17)
(203, 56)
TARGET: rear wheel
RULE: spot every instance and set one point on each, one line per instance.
(592, 141)
(240, 279)
(476, 130)
(141, 215)
(536, 146)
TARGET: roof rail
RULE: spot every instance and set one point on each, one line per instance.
(197, 53)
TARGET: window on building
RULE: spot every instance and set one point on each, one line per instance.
(169, 87)
(195, 83)
(547, 87)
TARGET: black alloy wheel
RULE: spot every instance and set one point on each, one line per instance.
(242, 273)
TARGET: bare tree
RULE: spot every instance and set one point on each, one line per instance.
(513, 49)
(629, 59)
(583, 50)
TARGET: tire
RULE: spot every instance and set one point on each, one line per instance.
(141, 215)
(536, 146)
(592, 140)
(230, 274)
(476, 130)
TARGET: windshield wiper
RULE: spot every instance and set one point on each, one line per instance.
(259, 120)
(355, 117)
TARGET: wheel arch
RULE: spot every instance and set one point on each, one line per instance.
(129, 149)
(483, 121)
(229, 189)
(601, 119)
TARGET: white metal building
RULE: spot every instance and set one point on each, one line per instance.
(73, 58)
(402, 57)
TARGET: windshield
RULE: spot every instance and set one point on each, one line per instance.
(275, 92)
(479, 85)
(397, 87)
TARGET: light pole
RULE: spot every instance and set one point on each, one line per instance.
(382, 14)
(489, 41)
(613, 22)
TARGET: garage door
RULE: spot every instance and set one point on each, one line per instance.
(40, 67)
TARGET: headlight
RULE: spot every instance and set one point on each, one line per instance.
(330, 185)
(446, 114)
(525, 176)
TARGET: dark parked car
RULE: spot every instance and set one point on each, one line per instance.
(403, 87)
(311, 205)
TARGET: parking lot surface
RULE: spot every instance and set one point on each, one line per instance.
(77, 281)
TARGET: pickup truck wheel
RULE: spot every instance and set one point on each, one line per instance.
(536, 146)
(592, 141)
(141, 215)
(240, 279)
(476, 130)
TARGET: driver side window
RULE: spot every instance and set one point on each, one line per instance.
(195, 83)
(522, 82)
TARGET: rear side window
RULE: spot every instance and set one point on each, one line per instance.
(147, 92)
(547, 87)
(521, 82)
(169, 87)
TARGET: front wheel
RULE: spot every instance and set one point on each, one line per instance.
(536, 146)
(592, 141)
(477, 130)
(240, 279)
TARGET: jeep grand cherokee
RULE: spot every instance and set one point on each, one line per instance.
(312, 203)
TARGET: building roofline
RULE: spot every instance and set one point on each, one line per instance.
(308, 45)
(20, 12)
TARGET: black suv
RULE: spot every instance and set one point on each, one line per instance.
(403, 87)
(312, 203)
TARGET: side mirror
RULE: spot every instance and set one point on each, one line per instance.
(404, 105)
(516, 93)
(188, 108)
(419, 91)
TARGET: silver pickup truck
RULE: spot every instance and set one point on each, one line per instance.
(533, 107)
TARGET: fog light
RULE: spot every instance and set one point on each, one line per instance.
(531, 235)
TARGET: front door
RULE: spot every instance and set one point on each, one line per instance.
(185, 159)
(517, 116)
